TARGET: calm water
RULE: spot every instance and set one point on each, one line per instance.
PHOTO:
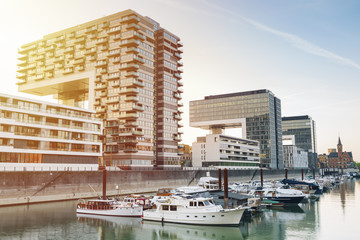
(334, 216)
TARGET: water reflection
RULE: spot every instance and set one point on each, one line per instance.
(134, 228)
(325, 219)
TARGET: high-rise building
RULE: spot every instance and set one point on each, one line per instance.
(303, 127)
(294, 157)
(125, 67)
(33, 131)
(257, 112)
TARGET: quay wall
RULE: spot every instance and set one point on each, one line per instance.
(40, 186)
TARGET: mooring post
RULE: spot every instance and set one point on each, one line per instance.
(302, 174)
(104, 184)
(261, 177)
(219, 176)
(286, 177)
(226, 194)
(314, 173)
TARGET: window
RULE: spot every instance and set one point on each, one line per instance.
(165, 207)
(172, 208)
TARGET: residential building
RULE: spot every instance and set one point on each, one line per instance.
(257, 112)
(217, 150)
(294, 157)
(340, 159)
(34, 131)
(185, 152)
(323, 161)
(125, 67)
(304, 130)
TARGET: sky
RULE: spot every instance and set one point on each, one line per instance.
(305, 52)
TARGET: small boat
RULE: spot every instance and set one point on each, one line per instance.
(283, 196)
(190, 210)
(109, 208)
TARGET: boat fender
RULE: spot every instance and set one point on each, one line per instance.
(168, 201)
(78, 205)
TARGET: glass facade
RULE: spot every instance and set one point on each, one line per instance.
(303, 127)
(260, 108)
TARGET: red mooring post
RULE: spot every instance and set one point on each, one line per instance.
(286, 173)
(104, 184)
(219, 176)
(261, 177)
(226, 193)
(302, 174)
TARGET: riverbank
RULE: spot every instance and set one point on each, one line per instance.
(38, 186)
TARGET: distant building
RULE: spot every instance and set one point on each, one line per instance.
(257, 112)
(340, 159)
(185, 153)
(217, 150)
(323, 161)
(304, 130)
(33, 131)
(330, 150)
(294, 157)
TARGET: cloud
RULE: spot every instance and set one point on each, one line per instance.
(294, 40)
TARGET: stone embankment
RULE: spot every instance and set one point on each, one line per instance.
(44, 186)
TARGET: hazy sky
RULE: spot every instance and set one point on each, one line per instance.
(306, 52)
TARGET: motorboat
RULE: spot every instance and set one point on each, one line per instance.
(109, 208)
(193, 210)
(279, 196)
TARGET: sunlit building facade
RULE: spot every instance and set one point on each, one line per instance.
(257, 112)
(126, 68)
(33, 131)
(221, 151)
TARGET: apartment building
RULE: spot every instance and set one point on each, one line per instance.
(33, 131)
(257, 113)
(126, 68)
(217, 150)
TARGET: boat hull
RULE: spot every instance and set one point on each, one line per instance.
(228, 217)
(116, 212)
(286, 200)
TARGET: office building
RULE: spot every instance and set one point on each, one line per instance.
(33, 131)
(294, 157)
(217, 150)
(304, 130)
(126, 68)
(258, 113)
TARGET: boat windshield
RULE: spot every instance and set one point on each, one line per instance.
(206, 203)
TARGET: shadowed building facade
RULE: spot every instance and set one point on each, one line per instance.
(126, 68)
(257, 112)
(304, 130)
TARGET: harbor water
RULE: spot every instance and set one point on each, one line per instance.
(334, 216)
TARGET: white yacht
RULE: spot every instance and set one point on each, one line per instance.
(189, 210)
(109, 208)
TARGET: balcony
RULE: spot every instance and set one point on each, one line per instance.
(133, 82)
(114, 30)
(26, 49)
(68, 70)
(69, 49)
(177, 96)
(131, 99)
(130, 19)
(130, 133)
(130, 91)
(132, 74)
(129, 116)
(59, 59)
(101, 40)
(131, 124)
(180, 44)
(80, 39)
(180, 125)
(129, 66)
(114, 52)
(100, 86)
(113, 76)
(79, 68)
(177, 55)
(130, 150)
(101, 63)
(177, 138)
(180, 83)
(129, 43)
(78, 61)
(178, 76)
(180, 90)
(180, 70)
(49, 74)
(100, 110)
(180, 104)
(177, 117)
(60, 38)
(180, 64)
(132, 50)
(133, 26)
(91, 29)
